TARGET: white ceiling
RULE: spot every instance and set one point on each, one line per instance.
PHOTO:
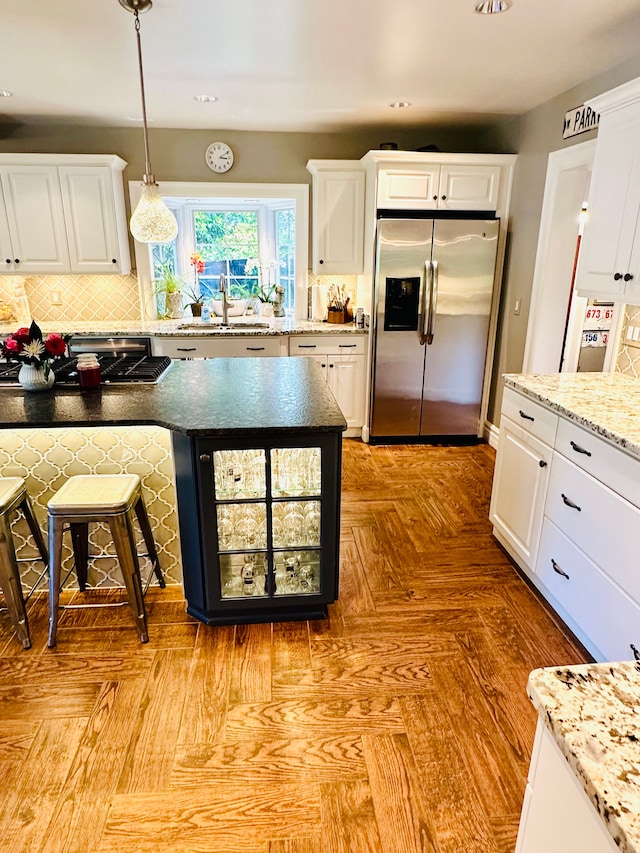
(303, 65)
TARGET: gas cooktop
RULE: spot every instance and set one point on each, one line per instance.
(116, 370)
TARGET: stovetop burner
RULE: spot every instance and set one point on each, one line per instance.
(116, 370)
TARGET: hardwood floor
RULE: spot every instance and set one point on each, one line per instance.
(399, 724)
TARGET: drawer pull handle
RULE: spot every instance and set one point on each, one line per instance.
(579, 449)
(570, 503)
(558, 570)
(255, 349)
(635, 651)
(185, 349)
(542, 463)
(346, 346)
(526, 416)
(307, 346)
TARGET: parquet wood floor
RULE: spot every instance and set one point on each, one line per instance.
(400, 724)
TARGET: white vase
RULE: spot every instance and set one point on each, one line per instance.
(174, 306)
(32, 378)
(266, 309)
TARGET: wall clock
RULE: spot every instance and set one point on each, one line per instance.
(219, 157)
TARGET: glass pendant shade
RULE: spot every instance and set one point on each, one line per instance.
(152, 221)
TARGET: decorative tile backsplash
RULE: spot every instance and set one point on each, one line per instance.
(82, 297)
(48, 457)
(628, 360)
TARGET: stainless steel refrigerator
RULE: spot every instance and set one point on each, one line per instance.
(433, 295)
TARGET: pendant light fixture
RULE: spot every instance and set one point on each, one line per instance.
(492, 7)
(151, 221)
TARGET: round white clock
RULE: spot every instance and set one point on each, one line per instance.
(219, 157)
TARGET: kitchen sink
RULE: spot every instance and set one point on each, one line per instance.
(218, 327)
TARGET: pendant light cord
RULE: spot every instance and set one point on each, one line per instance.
(148, 177)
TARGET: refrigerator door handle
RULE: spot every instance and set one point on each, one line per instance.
(433, 304)
(425, 286)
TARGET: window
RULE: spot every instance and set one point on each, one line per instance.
(255, 235)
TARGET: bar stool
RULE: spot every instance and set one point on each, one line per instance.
(112, 498)
(13, 497)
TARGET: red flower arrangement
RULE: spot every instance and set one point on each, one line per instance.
(30, 347)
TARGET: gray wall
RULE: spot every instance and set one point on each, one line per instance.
(533, 136)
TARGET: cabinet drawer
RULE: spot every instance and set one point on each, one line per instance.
(231, 347)
(327, 344)
(531, 416)
(608, 617)
(599, 521)
(604, 461)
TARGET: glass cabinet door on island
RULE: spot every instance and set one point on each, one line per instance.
(266, 547)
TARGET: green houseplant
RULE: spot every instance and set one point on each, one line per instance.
(168, 286)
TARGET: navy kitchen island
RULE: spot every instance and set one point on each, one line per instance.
(257, 454)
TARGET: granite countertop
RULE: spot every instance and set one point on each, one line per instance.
(220, 396)
(171, 328)
(593, 712)
(607, 403)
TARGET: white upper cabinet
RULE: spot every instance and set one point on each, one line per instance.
(90, 201)
(338, 216)
(408, 180)
(432, 187)
(33, 206)
(63, 214)
(609, 266)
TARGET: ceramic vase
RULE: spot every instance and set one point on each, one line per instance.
(33, 379)
(174, 306)
(266, 309)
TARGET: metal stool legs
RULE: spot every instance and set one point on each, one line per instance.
(114, 501)
(15, 498)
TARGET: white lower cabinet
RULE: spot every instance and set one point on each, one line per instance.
(592, 604)
(255, 346)
(525, 450)
(557, 815)
(343, 360)
(573, 524)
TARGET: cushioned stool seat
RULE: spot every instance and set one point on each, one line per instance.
(13, 497)
(111, 498)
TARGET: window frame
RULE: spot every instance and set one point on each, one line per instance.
(199, 192)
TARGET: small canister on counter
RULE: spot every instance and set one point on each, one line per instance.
(360, 318)
(89, 373)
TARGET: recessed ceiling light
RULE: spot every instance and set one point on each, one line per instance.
(400, 105)
(5, 93)
(205, 99)
(492, 7)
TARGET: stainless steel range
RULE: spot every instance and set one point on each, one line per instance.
(123, 361)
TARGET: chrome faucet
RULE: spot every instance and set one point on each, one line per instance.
(226, 304)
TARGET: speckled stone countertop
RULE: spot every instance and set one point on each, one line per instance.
(196, 328)
(607, 403)
(593, 712)
(217, 397)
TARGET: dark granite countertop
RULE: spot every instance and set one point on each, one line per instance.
(222, 396)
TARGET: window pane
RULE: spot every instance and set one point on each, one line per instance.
(226, 239)
(285, 253)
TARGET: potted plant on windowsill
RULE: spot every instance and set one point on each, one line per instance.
(169, 284)
(193, 293)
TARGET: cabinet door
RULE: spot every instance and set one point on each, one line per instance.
(557, 815)
(519, 489)
(36, 218)
(90, 215)
(409, 187)
(6, 250)
(469, 187)
(346, 380)
(614, 203)
(338, 222)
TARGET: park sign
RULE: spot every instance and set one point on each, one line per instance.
(579, 120)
